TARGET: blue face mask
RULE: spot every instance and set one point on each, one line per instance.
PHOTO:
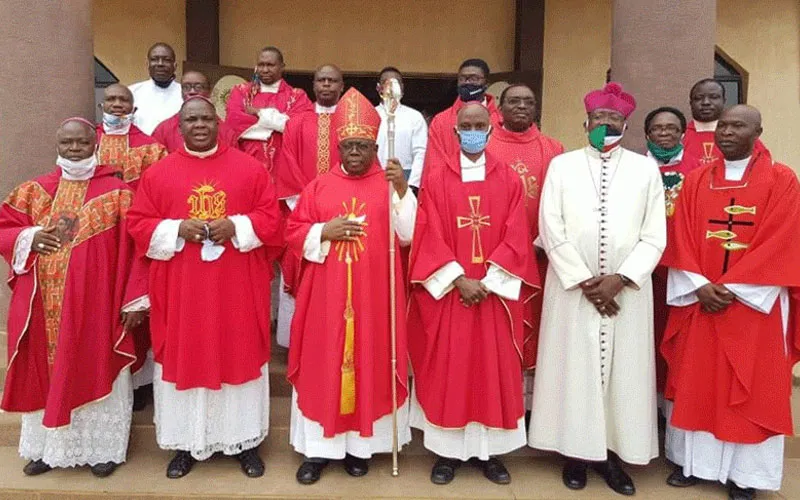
(473, 141)
(115, 122)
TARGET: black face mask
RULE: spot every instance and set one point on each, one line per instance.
(471, 92)
(166, 84)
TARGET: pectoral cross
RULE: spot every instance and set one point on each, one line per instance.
(475, 221)
(727, 234)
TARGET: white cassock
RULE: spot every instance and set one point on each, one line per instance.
(595, 384)
(410, 141)
(204, 421)
(475, 439)
(98, 432)
(701, 455)
(286, 303)
(154, 104)
(307, 436)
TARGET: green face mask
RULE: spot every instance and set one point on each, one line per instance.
(664, 155)
(600, 139)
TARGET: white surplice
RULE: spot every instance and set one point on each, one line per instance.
(410, 141)
(595, 383)
(306, 436)
(701, 455)
(154, 104)
(474, 440)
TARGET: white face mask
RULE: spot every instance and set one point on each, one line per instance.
(114, 123)
(81, 169)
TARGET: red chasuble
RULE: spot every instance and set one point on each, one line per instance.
(703, 146)
(210, 321)
(729, 373)
(129, 155)
(673, 177)
(168, 133)
(468, 361)
(442, 139)
(528, 154)
(288, 100)
(66, 343)
(340, 359)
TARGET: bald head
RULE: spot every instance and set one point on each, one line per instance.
(328, 85)
(194, 83)
(737, 131)
(117, 100)
(473, 110)
(75, 140)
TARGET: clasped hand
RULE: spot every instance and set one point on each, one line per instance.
(219, 230)
(472, 291)
(601, 291)
(714, 298)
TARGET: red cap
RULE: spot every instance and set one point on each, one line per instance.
(610, 97)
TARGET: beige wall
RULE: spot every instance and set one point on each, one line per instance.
(577, 54)
(764, 38)
(420, 36)
(124, 30)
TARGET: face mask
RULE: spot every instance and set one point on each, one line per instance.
(471, 92)
(664, 155)
(114, 122)
(473, 141)
(166, 84)
(604, 138)
(79, 168)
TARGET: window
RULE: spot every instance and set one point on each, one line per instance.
(103, 77)
(732, 76)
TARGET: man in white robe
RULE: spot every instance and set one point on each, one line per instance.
(158, 97)
(602, 225)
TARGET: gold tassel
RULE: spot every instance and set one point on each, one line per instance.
(347, 400)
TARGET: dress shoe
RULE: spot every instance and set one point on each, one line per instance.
(310, 472)
(251, 463)
(36, 467)
(574, 474)
(616, 478)
(180, 465)
(355, 466)
(104, 470)
(494, 470)
(737, 493)
(444, 470)
(678, 480)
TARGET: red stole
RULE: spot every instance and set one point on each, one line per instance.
(129, 155)
(288, 100)
(66, 344)
(341, 369)
(728, 372)
(468, 361)
(528, 154)
(168, 133)
(210, 321)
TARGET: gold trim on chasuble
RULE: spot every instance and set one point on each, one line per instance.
(529, 182)
(30, 198)
(708, 153)
(475, 221)
(115, 151)
(349, 251)
(207, 203)
(323, 143)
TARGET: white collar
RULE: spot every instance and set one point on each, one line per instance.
(327, 110)
(735, 164)
(158, 88)
(202, 154)
(705, 126)
(467, 164)
(272, 88)
(734, 170)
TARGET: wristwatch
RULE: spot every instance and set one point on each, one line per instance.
(625, 280)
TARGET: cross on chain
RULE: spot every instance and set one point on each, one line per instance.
(730, 223)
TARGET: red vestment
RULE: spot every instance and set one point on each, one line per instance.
(528, 154)
(729, 373)
(130, 155)
(442, 139)
(703, 146)
(674, 177)
(467, 362)
(210, 321)
(287, 100)
(318, 337)
(66, 344)
(168, 133)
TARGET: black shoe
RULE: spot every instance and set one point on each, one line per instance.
(142, 397)
(36, 467)
(310, 472)
(355, 466)
(616, 478)
(494, 470)
(678, 480)
(180, 465)
(574, 474)
(104, 470)
(251, 463)
(444, 470)
(737, 493)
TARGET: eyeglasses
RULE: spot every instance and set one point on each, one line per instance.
(671, 129)
(361, 147)
(194, 86)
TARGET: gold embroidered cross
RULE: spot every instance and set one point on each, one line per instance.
(475, 221)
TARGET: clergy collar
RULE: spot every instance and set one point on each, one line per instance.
(201, 154)
(467, 164)
(326, 110)
(734, 170)
(272, 88)
(705, 126)
(674, 161)
(593, 153)
(735, 164)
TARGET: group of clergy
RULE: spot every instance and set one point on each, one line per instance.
(629, 282)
